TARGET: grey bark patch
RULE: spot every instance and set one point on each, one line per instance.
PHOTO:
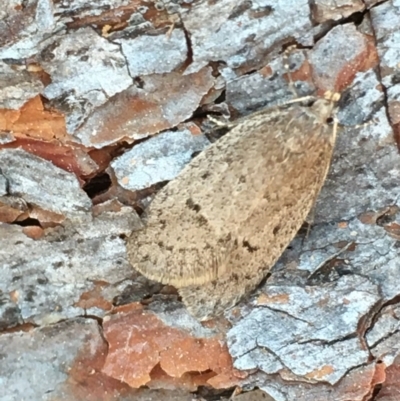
(17, 87)
(158, 159)
(217, 38)
(154, 54)
(41, 183)
(297, 328)
(40, 351)
(86, 70)
(51, 273)
(3, 184)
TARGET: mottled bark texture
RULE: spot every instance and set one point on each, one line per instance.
(101, 103)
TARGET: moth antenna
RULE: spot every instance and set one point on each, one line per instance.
(286, 65)
(219, 123)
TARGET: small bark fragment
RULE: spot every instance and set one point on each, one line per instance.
(139, 342)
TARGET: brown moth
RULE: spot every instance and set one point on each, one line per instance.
(215, 231)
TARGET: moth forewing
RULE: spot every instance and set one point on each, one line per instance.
(217, 229)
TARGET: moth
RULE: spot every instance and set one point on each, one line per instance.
(216, 230)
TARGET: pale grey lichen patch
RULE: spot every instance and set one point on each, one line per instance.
(86, 70)
(385, 20)
(359, 282)
(24, 30)
(51, 273)
(46, 354)
(324, 59)
(383, 338)
(349, 388)
(6, 137)
(8, 8)
(337, 358)
(371, 152)
(154, 54)
(375, 255)
(303, 336)
(174, 314)
(17, 87)
(320, 245)
(390, 52)
(308, 328)
(362, 100)
(214, 33)
(387, 324)
(385, 268)
(254, 91)
(3, 184)
(41, 183)
(158, 159)
(259, 358)
(110, 223)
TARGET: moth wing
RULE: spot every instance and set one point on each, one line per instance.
(197, 223)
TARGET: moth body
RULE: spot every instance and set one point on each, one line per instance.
(216, 230)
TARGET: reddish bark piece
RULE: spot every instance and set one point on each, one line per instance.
(86, 381)
(188, 381)
(127, 308)
(358, 53)
(45, 217)
(33, 121)
(94, 298)
(115, 191)
(265, 299)
(16, 209)
(330, 10)
(72, 157)
(9, 214)
(139, 342)
(43, 133)
(66, 359)
(164, 102)
(391, 386)
(192, 127)
(113, 205)
(358, 385)
(33, 232)
(116, 18)
(303, 73)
